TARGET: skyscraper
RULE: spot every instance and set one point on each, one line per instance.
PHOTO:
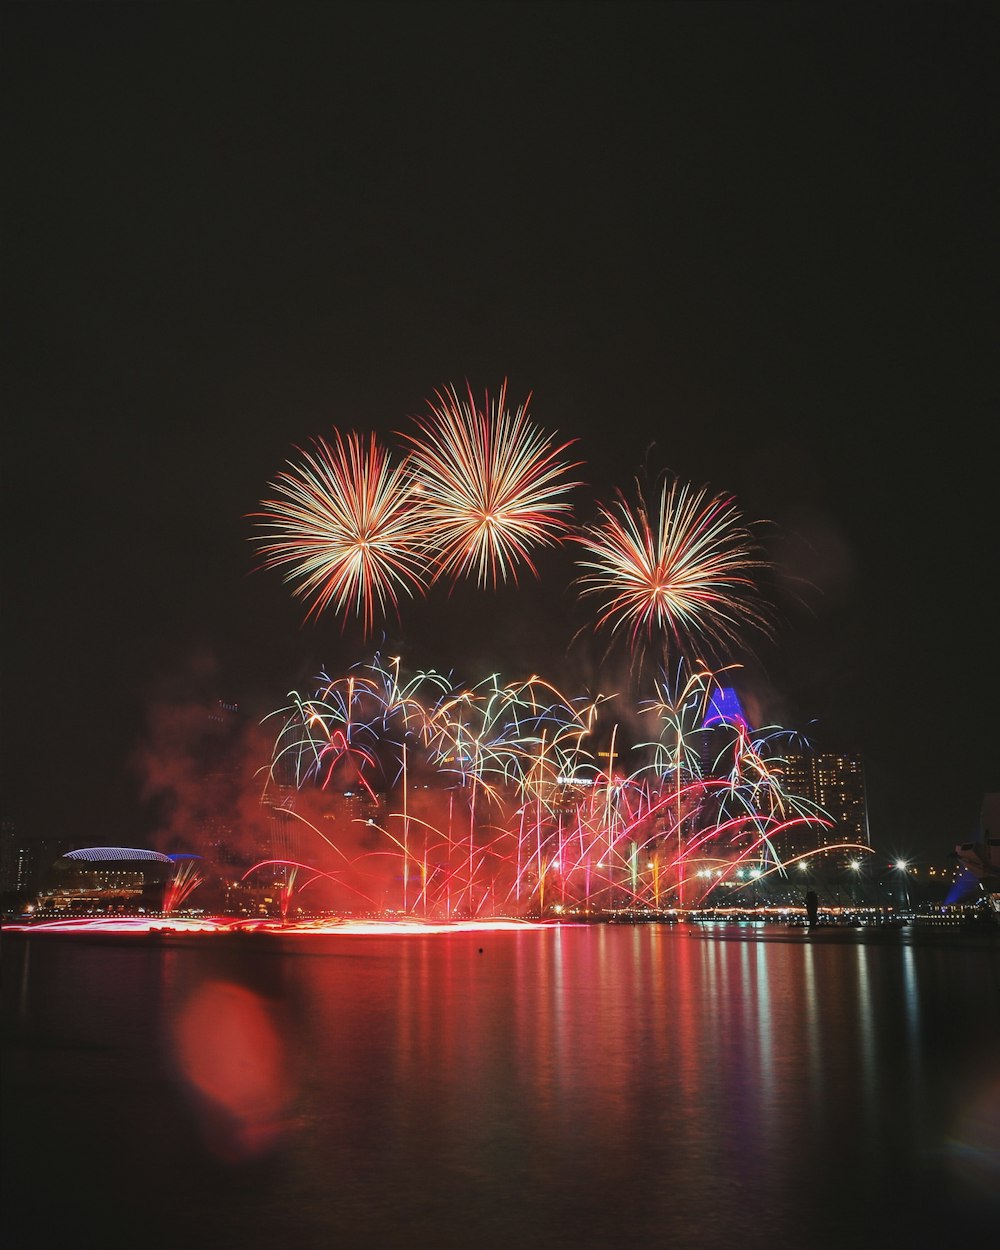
(835, 782)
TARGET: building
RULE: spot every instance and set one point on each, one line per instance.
(24, 862)
(106, 879)
(833, 781)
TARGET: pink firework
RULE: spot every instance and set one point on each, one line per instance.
(683, 571)
(493, 486)
(344, 528)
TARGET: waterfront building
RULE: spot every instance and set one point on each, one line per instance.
(24, 861)
(106, 879)
(835, 782)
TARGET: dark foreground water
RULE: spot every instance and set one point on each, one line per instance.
(574, 1087)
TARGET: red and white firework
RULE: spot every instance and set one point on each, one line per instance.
(493, 486)
(345, 528)
(681, 570)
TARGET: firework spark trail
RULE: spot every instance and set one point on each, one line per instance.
(347, 528)
(340, 751)
(754, 787)
(493, 486)
(532, 813)
(186, 879)
(681, 573)
(732, 865)
(404, 701)
(315, 727)
(291, 868)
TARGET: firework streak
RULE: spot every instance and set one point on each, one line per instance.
(444, 801)
(439, 800)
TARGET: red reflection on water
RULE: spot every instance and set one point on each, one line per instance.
(231, 1054)
(179, 926)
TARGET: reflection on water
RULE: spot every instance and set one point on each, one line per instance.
(578, 1086)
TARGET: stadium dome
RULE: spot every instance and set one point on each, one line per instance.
(115, 854)
(107, 878)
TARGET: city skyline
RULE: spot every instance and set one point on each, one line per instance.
(389, 794)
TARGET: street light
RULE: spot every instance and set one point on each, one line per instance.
(855, 867)
(902, 866)
(858, 866)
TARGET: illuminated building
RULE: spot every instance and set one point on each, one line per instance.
(835, 782)
(106, 879)
(24, 861)
(358, 806)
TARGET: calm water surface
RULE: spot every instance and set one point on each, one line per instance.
(578, 1086)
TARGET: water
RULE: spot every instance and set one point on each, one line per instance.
(573, 1087)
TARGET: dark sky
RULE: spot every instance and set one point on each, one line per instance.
(758, 238)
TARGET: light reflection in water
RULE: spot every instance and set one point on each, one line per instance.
(866, 1039)
(766, 1067)
(531, 1088)
(911, 995)
(814, 1030)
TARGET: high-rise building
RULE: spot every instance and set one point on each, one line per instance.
(835, 782)
(15, 860)
(24, 861)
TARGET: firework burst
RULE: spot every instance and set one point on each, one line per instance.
(523, 805)
(679, 572)
(492, 484)
(346, 529)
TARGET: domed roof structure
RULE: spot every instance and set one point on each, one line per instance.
(115, 854)
(106, 878)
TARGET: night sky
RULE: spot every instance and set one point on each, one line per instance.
(752, 244)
